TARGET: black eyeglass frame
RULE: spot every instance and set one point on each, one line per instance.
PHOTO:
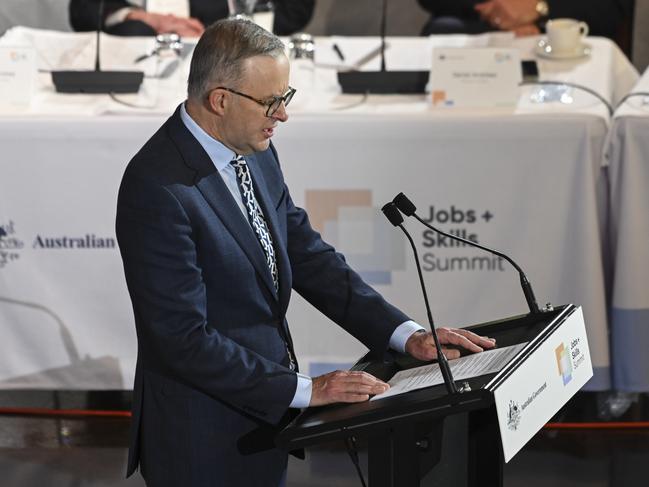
(272, 104)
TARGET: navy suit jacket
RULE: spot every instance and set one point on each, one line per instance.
(212, 382)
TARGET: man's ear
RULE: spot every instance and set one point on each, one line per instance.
(217, 101)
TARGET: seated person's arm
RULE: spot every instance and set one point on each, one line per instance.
(292, 15)
(462, 9)
(165, 23)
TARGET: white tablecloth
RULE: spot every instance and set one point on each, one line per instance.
(527, 180)
(628, 158)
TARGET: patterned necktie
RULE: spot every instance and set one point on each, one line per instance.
(259, 225)
(255, 215)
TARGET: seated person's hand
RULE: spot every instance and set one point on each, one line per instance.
(345, 386)
(527, 30)
(508, 14)
(166, 23)
(421, 345)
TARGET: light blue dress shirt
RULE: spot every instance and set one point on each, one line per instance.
(221, 157)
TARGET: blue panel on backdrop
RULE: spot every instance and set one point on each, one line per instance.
(629, 351)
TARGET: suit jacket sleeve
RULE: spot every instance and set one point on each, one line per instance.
(463, 9)
(169, 300)
(84, 14)
(292, 15)
(602, 16)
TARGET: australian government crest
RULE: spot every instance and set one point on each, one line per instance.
(513, 415)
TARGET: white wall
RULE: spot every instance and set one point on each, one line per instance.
(44, 14)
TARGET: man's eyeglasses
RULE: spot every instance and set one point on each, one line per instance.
(272, 104)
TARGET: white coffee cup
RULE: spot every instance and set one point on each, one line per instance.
(565, 35)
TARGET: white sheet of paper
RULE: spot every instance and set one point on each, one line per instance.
(462, 368)
(179, 8)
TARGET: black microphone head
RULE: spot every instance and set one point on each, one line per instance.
(392, 213)
(406, 206)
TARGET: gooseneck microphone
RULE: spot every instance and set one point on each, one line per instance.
(392, 214)
(100, 22)
(384, 15)
(407, 207)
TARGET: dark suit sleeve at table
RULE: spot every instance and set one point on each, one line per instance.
(84, 14)
(292, 15)
(602, 16)
(168, 292)
(463, 9)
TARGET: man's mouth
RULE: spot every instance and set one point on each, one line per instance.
(269, 132)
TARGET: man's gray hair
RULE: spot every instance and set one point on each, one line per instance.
(222, 49)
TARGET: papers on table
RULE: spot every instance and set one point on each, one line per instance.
(466, 367)
(484, 77)
(17, 76)
(402, 53)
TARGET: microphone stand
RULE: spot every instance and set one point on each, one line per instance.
(383, 81)
(392, 214)
(384, 14)
(100, 22)
(97, 81)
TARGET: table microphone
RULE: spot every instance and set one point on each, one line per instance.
(407, 207)
(392, 214)
(97, 81)
(383, 81)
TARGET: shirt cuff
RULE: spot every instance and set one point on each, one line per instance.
(302, 396)
(118, 16)
(402, 333)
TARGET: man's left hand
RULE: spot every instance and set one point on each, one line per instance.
(422, 345)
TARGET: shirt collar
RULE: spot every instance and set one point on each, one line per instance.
(218, 153)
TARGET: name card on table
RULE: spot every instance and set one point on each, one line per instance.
(483, 77)
(17, 76)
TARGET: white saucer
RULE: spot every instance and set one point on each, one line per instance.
(544, 49)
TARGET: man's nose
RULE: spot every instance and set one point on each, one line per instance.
(281, 114)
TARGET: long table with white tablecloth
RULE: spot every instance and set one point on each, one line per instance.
(528, 181)
(628, 166)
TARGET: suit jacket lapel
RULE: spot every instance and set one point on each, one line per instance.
(211, 185)
(268, 207)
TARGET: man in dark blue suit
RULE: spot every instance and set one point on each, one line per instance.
(212, 245)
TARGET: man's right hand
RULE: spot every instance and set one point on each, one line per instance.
(345, 386)
(163, 24)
